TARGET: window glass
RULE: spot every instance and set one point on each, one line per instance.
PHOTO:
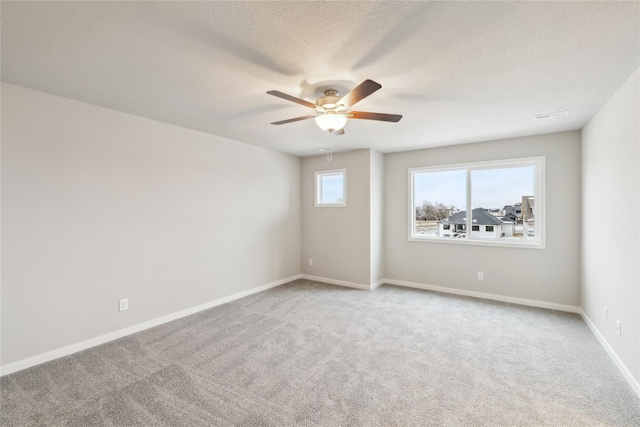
(502, 192)
(331, 188)
(438, 195)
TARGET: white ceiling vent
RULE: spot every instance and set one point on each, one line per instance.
(550, 115)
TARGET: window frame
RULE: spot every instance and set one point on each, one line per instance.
(539, 209)
(318, 188)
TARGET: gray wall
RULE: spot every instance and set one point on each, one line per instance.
(338, 239)
(100, 205)
(610, 227)
(549, 275)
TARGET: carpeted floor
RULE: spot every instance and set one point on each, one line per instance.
(307, 353)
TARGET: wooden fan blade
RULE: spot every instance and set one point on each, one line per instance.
(297, 119)
(339, 132)
(360, 92)
(291, 98)
(374, 116)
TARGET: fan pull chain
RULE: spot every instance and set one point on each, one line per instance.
(330, 148)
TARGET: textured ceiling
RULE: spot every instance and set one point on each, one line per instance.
(458, 71)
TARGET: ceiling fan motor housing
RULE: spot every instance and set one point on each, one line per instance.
(329, 101)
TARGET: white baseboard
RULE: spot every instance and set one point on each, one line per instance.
(483, 295)
(93, 342)
(612, 354)
(338, 282)
(74, 348)
(378, 283)
(542, 304)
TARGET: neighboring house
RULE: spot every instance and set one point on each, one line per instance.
(483, 225)
(510, 217)
(515, 210)
(528, 217)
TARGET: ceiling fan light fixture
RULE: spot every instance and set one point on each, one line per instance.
(331, 121)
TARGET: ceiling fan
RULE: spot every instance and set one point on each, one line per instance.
(332, 111)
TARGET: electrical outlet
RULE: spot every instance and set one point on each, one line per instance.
(124, 304)
(310, 261)
(480, 275)
(605, 314)
(619, 328)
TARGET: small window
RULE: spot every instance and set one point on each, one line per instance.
(475, 228)
(446, 227)
(331, 188)
(489, 228)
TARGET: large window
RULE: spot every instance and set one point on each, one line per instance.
(331, 188)
(502, 200)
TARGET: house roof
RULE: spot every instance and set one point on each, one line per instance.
(450, 68)
(479, 216)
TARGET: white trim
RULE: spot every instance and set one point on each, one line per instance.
(339, 282)
(92, 342)
(376, 284)
(612, 354)
(483, 295)
(478, 242)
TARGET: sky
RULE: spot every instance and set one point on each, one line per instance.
(332, 186)
(491, 188)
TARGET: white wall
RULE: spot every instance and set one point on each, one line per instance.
(611, 194)
(100, 205)
(550, 275)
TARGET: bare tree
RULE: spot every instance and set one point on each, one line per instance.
(429, 211)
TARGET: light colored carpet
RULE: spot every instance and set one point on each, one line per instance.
(307, 353)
